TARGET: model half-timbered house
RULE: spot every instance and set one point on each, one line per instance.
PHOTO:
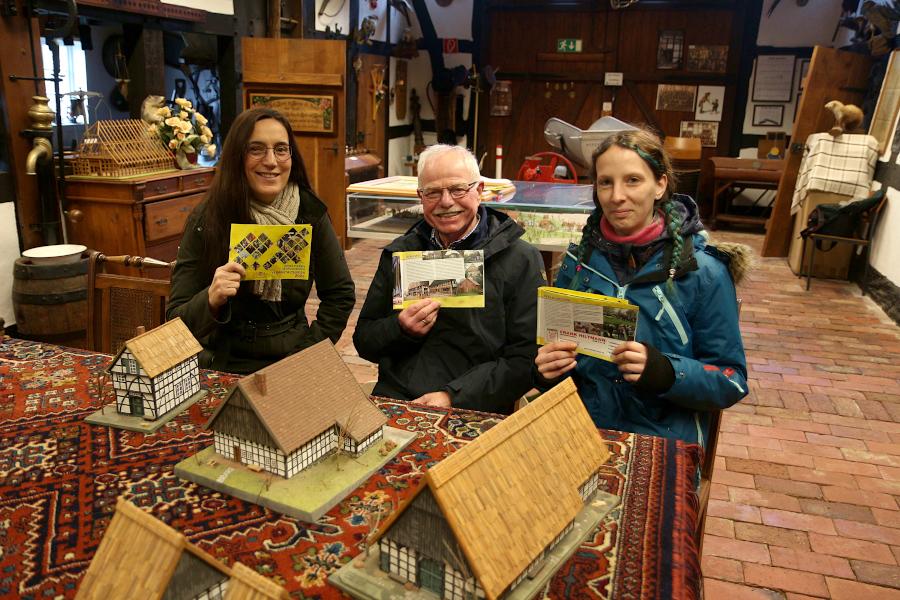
(293, 413)
(142, 558)
(156, 371)
(488, 514)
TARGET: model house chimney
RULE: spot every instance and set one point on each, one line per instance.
(139, 330)
(260, 380)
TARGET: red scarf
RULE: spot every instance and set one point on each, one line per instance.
(644, 236)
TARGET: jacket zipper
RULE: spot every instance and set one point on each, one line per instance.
(620, 290)
(669, 310)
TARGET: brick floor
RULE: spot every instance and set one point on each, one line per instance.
(808, 469)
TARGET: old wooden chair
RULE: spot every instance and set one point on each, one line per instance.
(865, 229)
(118, 304)
(686, 154)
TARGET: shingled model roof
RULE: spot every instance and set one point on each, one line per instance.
(138, 556)
(163, 347)
(510, 492)
(305, 394)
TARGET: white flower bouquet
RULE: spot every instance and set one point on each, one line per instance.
(183, 130)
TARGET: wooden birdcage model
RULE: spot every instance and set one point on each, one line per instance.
(121, 148)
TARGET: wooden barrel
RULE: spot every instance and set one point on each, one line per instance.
(50, 301)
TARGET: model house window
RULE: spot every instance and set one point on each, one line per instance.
(130, 365)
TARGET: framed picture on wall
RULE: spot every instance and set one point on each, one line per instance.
(669, 52)
(707, 131)
(709, 59)
(768, 115)
(710, 99)
(676, 97)
(773, 80)
(306, 113)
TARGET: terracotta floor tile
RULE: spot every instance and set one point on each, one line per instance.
(843, 589)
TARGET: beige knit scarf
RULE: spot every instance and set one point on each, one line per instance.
(282, 211)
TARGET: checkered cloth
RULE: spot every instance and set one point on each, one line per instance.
(843, 165)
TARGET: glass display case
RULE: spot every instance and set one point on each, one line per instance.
(552, 214)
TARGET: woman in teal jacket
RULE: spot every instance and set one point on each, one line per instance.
(645, 244)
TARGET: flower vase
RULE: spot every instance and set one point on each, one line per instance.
(185, 160)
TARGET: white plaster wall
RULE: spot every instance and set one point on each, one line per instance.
(9, 252)
(793, 26)
(885, 249)
(336, 15)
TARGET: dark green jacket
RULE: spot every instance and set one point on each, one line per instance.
(236, 341)
(481, 356)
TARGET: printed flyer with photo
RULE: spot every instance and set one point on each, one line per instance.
(271, 251)
(598, 324)
(455, 278)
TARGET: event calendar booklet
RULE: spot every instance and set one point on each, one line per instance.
(271, 251)
(455, 278)
(598, 324)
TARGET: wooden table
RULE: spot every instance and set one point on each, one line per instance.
(60, 479)
(731, 176)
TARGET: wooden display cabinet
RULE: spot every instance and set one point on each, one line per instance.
(141, 216)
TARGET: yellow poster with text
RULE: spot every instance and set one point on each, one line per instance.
(271, 251)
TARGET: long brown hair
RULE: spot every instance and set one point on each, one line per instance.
(228, 197)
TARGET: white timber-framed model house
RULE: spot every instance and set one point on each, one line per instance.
(295, 412)
(470, 530)
(140, 557)
(156, 371)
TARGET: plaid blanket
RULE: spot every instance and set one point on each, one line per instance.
(842, 165)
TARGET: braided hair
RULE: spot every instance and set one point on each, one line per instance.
(648, 146)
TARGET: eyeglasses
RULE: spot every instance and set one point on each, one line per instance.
(258, 151)
(456, 191)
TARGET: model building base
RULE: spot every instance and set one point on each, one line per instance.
(361, 577)
(109, 417)
(307, 495)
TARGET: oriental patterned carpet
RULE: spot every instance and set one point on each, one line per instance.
(60, 477)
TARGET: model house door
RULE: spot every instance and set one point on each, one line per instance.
(304, 80)
(431, 576)
(237, 454)
(136, 405)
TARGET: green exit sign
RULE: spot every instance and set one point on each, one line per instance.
(568, 45)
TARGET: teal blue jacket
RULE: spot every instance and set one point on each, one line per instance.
(696, 328)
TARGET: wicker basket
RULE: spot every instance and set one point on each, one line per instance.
(121, 148)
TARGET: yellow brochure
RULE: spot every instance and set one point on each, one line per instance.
(598, 324)
(271, 251)
(455, 278)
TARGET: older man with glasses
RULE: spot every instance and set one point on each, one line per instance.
(475, 358)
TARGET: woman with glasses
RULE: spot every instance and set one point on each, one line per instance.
(246, 325)
(646, 244)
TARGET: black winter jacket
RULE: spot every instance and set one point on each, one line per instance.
(237, 341)
(481, 356)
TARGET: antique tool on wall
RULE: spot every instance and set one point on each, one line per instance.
(400, 90)
(415, 107)
(378, 91)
